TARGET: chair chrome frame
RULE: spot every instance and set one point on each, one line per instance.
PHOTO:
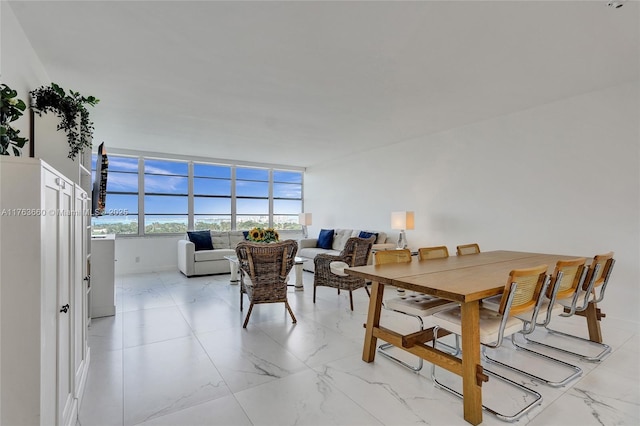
(585, 294)
(506, 310)
(529, 327)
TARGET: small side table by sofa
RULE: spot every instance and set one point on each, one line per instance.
(297, 267)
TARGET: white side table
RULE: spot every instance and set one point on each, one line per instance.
(234, 265)
(297, 267)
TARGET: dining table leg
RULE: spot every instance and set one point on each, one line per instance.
(373, 320)
(592, 313)
(471, 389)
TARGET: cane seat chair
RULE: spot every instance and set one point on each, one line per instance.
(329, 269)
(577, 298)
(263, 273)
(567, 276)
(437, 252)
(521, 296)
(414, 305)
(465, 249)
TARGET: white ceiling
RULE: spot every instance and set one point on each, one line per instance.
(301, 83)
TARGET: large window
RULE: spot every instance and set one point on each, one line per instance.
(287, 199)
(211, 197)
(171, 196)
(252, 198)
(121, 202)
(166, 196)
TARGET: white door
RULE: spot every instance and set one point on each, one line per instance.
(79, 314)
(49, 308)
(65, 307)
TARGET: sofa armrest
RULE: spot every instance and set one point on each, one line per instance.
(186, 257)
(307, 243)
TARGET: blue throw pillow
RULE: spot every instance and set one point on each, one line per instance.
(325, 239)
(364, 234)
(201, 239)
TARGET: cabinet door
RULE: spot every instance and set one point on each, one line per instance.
(65, 307)
(49, 301)
(79, 283)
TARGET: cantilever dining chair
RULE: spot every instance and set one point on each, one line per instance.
(263, 272)
(465, 249)
(576, 299)
(413, 305)
(520, 297)
(568, 275)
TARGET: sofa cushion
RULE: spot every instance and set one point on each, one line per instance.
(338, 268)
(235, 237)
(220, 239)
(365, 234)
(340, 238)
(311, 252)
(381, 237)
(201, 240)
(325, 238)
(208, 255)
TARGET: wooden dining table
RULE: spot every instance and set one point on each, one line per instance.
(463, 279)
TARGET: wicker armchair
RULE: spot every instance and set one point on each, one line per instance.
(329, 269)
(263, 272)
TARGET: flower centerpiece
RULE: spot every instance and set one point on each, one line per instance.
(263, 235)
(11, 108)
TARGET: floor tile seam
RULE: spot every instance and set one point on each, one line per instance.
(321, 375)
(204, 349)
(284, 348)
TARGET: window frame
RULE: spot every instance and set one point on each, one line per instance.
(192, 162)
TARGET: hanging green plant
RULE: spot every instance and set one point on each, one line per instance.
(11, 109)
(68, 107)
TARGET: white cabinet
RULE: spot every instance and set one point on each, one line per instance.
(43, 352)
(102, 295)
(81, 287)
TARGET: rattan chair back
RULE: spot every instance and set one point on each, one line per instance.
(264, 268)
(529, 286)
(465, 249)
(438, 252)
(356, 252)
(566, 278)
(392, 256)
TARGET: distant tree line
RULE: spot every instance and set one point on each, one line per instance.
(177, 227)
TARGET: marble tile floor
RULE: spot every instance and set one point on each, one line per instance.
(175, 353)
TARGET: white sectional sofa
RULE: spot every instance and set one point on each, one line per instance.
(308, 247)
(193, 262)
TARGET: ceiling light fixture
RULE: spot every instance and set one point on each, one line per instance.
(616, 4)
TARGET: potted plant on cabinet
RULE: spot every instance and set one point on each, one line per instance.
(68, 107)
(11, 108)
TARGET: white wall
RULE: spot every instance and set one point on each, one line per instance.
(148, 254)
(20, 67)
(559, 178)
(157, 253)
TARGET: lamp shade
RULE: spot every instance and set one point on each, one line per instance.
(402, 220)
(304, 219)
